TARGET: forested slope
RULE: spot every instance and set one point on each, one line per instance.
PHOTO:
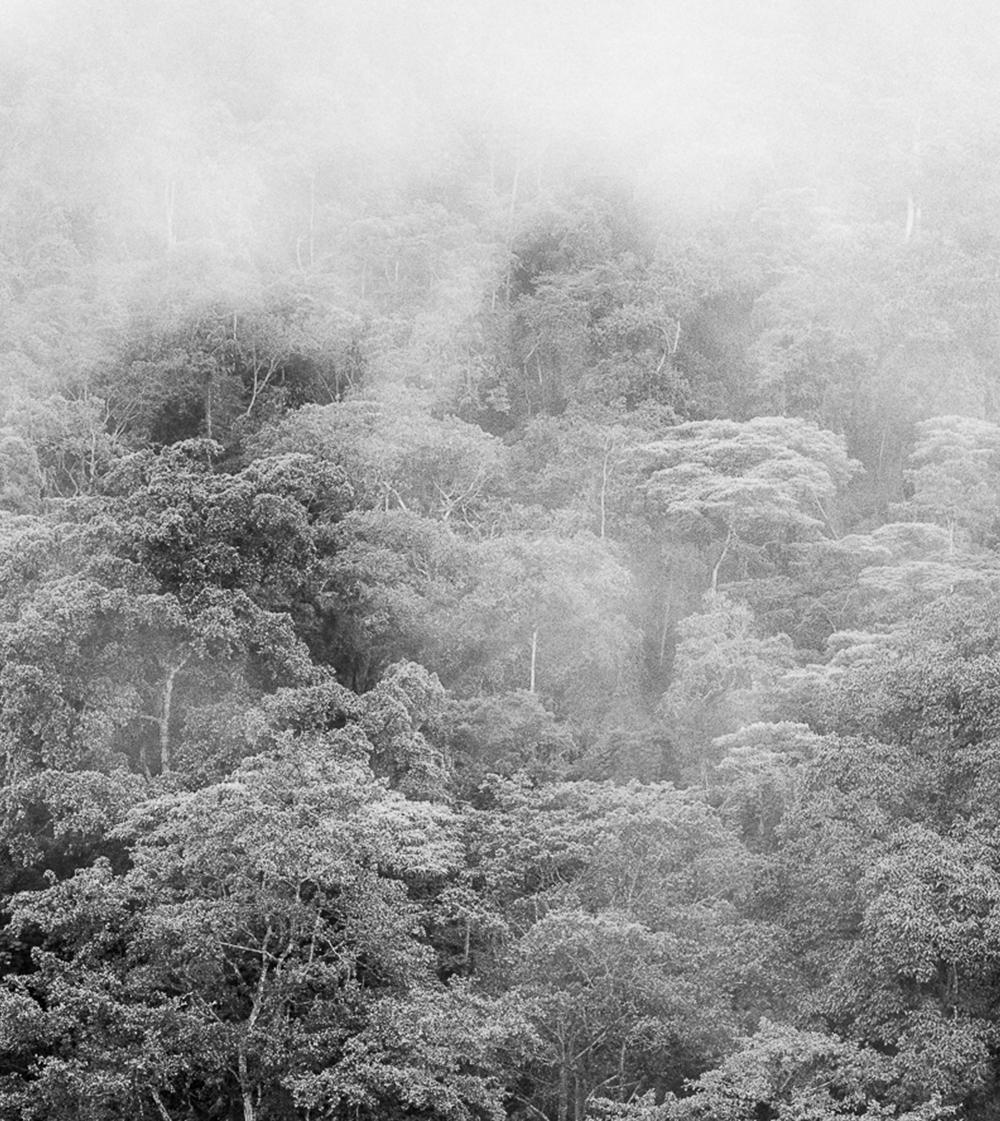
(499, 617)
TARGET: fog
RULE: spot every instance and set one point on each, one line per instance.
(221, 144)
(701, 104)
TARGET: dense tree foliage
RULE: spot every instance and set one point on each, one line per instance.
(496, 624)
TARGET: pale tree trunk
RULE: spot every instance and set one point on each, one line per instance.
(245, 1090)
(718, 563)
(261, 379)
(913, 215)
(165, 711)
(534, 658)
(668, 607)
(162, 721)
(563, 1114)
(608, 445)
(161, 1109)
(664, 629)
(242, 1068)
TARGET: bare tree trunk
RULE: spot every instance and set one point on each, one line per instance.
(912, 217)
(663, 631)
(534, 658)
(718, 563)
(165, 745)
(880, 466)
(608, 444)
(162, 721)
(160, 1107)
(245, 1091)
(563, 1114)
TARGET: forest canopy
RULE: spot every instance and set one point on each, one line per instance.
(499, 581)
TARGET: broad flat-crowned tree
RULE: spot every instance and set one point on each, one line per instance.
(932, 686)
(743, 491)
(878, 580)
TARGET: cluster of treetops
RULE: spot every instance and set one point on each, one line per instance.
(503, 652)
